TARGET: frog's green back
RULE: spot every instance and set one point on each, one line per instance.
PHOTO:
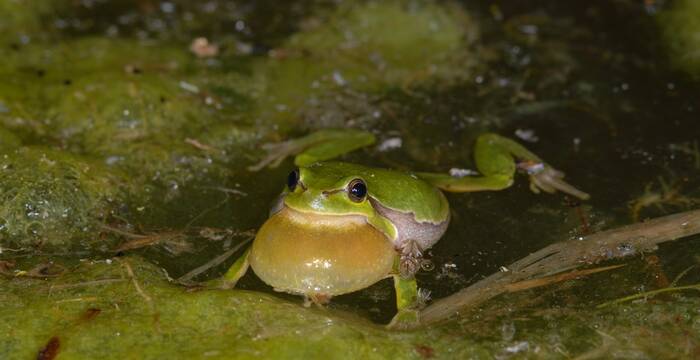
(396, 190)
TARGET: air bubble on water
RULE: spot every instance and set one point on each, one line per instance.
(518, 347)
(390, 144)
(508, 331)
(167, 7)
(33, 228)
(626, 249)
(338, 79)
(460, 173)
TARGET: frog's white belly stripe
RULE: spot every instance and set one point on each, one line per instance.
(425, 234)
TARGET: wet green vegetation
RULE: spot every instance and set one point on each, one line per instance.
(680, 27)
(113, 130)
(49, 196)
(127, 308)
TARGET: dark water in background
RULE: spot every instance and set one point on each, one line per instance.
(610, 111)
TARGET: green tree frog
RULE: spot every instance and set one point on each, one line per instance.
(339, 227)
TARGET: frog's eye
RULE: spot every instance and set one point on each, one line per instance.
(293, 180)
(357, 190)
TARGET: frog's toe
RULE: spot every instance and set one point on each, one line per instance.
(550, 180)
(410, 259)
(404, 319)
(319, 300)
(276, 153)
(408, 267)
(553, 183)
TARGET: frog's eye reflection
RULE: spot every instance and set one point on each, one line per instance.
(293, 179)
(357, 190)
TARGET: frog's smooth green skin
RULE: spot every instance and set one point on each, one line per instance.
(321, 240)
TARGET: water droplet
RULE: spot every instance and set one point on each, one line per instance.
(427, 265)
(34, 229)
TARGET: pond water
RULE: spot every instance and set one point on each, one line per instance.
(120, 137)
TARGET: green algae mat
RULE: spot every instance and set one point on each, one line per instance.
(125, 143)
(127, 308)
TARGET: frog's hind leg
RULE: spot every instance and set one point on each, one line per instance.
(499, 156)
(318, 146)
(497, 159)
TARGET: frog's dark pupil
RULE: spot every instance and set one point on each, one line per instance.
(357, 190)
(293, 180)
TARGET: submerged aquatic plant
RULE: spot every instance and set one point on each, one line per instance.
(680, 26)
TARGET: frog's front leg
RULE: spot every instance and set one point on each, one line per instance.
(497, 159)
(406, 303)
(318, 146)
(236, 271)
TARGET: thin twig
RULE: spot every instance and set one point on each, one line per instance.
(213, 262)
(200, 146)
(606, 245)
(91, 298)
(226, 190)
(649, 294)
(130, 272)
(543, 281)
(147, 240)
(681, 275)
(86, 283)
(206, 211)
(122, 232)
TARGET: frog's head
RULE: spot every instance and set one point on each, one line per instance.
(336, 189)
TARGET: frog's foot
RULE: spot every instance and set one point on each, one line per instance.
(409, 300)
(545, 178)
(276, 153)
(410, 259)
(319, 300)
(404, 319)
(409, 317)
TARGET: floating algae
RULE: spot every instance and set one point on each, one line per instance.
(49, 199)
(126, 307)
(680, 27)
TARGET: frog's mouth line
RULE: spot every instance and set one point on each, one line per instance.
(316, 219)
